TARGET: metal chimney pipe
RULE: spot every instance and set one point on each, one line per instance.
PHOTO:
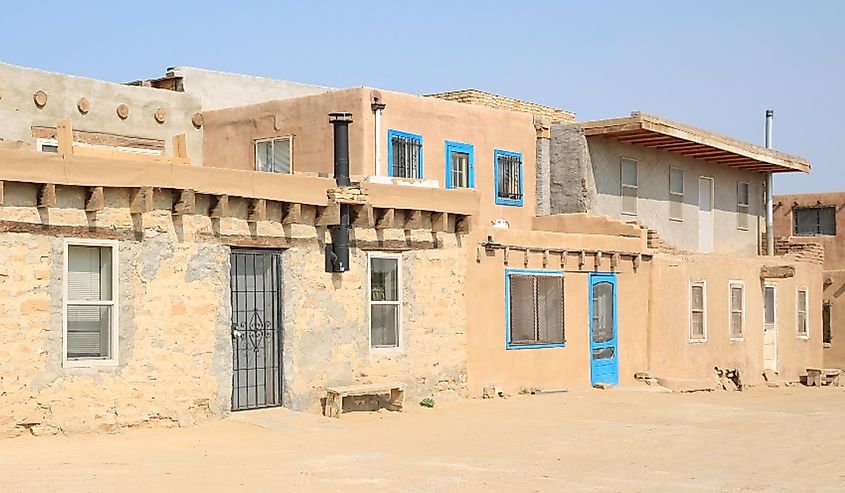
(337, 254)
(770, 237)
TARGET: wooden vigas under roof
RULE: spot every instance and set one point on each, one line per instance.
(655, 132)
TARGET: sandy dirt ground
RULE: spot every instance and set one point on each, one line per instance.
(786, 439)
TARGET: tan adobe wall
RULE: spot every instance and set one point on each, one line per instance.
(481, 98)
(230, 134)
(801, 251)
(673, 355)
(96, 121)
(834, 292)
(833, 245)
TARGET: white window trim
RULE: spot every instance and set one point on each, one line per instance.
(623, 186)
(400, 332)
(671, 193)
(703, 285)
(733, 284)
(40, 142)
(115, 335)
(272, 139)
(798, 291)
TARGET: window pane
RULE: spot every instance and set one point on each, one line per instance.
(769, 305)
(802, 322)
(460, 169)
(802, 301)
(88, 331)
(698, 325)
(629, 172)
(384, 279)
(281, 156)
(698, 298)
(827, 221)
(602, 312)
(384, 325)
(676, 181)
(736, 325)
(629, 200)
(89, 273)
(736, 298)
(550, 308)
(522, 309)
(742, 193)
(264, 156)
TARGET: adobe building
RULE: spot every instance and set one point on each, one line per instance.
(271, 251)
(809, 220)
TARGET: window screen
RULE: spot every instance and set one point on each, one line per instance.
(629, 186)
(535, 307)
(273, 156)
(385, 305)
(676, 194)
(814, 221)
(89, 302)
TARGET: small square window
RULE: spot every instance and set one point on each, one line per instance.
(629, 186)
(508, 177)
(737, 309)
(460, 172)
(801, 309)
(274, 155)
(676, 194)
(405, 159)
(698, 312)
(90, 312)
(742, 201)
(385, 300)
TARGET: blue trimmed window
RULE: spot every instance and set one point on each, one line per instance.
(534, 309)
(460, 165)
(405, 159)
(508, 177)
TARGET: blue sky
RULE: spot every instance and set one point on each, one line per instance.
(715, 64)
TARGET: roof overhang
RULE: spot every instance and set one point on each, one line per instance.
(657, 133)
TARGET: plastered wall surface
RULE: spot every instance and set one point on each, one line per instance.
(673, 355)
(224, 90)
(834, 353)
(589, 180)
(231, 133)
(653, 192)
(19, 113)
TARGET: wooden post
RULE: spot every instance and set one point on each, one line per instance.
(328, 215)
(141, 200)
(219, 206)
(384, 218)
(257, 210)
(95, 200)
(180, 149)
(64, 134)
(47, 196)
(440, 221)
(185, 202)
(291, 213)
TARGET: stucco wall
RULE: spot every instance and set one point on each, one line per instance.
(19, 113)
(653, 192)
(673, 355)
(230, 134)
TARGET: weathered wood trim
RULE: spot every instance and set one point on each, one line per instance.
(185, 202)
(46, 196)
(99, 138)
(412, 219)
(291, 213)
(328, 216)
(95, 199)
(141, 200)
(257, 211)
(440, 221)
(218, 206)
(361, 216)
(384, 218)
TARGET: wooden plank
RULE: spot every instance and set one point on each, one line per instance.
(64, 134)
(364, 389)
(440, 221)
(219, 206)
(257, 211)
(185, 202)
(95, 200)
(412, 219)
(462, 224)
(180, 149)
(291, 213)
(141, 200)
(2, 194)
(46, 195)
(385, 218)
(328, 215)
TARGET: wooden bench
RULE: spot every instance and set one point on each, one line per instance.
(335, 395)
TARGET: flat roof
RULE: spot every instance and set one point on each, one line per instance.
(658, 133)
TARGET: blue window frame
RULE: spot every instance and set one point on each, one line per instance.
(405, 154)
(534, 309)
(508, 177)
(460, 165)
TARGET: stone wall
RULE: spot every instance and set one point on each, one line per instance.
(481, 98)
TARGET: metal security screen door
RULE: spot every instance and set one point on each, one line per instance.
(604, 360)
(256, 329)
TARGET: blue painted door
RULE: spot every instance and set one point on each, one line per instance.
(604, 358)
